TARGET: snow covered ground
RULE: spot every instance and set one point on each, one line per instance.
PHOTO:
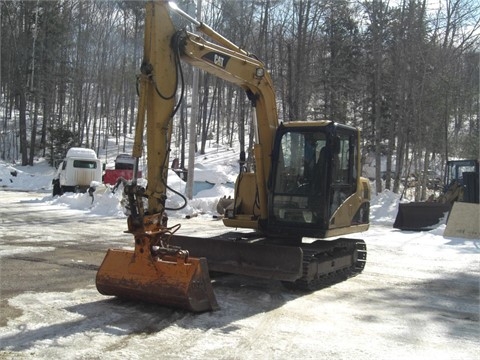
(418, 297)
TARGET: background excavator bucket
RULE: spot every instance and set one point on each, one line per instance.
(173, 281)
(418, 216)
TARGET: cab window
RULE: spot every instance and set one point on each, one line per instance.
(344, 169)
(84, 164)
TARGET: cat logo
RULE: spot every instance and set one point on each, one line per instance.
(218, 60)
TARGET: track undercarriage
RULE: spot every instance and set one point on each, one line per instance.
(303, 266)
(329, 262)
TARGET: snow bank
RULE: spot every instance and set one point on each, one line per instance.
(384, 207)
(26, 178)
(218, 169)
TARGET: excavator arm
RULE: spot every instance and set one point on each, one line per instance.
(155, 271)
(160, 78)
(237, 67)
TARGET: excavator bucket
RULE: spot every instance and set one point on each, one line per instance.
(169, 280)
(416, 216)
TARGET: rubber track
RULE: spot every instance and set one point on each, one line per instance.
(338, 249)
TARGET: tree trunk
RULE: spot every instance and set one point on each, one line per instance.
(204, 118)
(33, 134)
(22, 110)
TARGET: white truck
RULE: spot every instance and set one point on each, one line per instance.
(77, 171)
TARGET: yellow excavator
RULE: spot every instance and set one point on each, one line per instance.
(305, 186)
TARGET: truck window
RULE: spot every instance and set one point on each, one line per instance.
(84, 164)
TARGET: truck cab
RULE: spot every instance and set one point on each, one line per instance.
(77, 171)
(124, 167)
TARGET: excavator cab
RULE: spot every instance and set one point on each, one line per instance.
(314, 172)
(465, 174)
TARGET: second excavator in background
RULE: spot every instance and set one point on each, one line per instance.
(460, 192)
(305, 185)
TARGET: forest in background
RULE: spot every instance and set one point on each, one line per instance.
(405, 72)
